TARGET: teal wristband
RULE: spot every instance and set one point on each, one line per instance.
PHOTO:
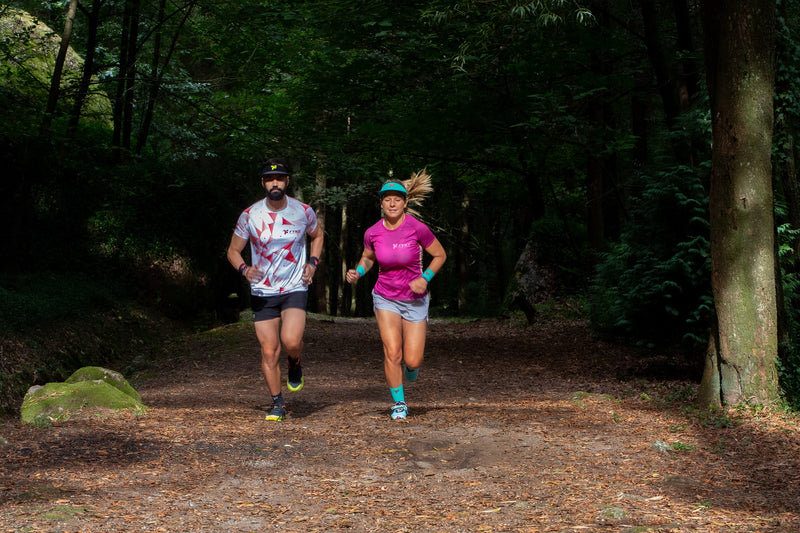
(360, 270)
(428, 275)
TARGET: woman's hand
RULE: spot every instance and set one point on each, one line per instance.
(419, 286)
(352, 276)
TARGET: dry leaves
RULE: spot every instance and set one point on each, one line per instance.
(512, 429)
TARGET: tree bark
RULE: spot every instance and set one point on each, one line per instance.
(123, 102)
(158, 69)
(58, 68)
(658, 58)
(93, 17)
(740, 62)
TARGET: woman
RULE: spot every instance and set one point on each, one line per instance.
(400, 296)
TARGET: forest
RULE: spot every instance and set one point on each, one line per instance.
(628, 163)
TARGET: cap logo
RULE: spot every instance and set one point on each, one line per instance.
(275, 168)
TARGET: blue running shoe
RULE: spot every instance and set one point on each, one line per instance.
(411, 375)
(295, 380)
(399, 411)
(277, 413)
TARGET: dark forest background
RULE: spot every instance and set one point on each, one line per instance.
(569, 145)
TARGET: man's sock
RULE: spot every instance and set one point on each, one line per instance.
(397, 394)
(278, 399)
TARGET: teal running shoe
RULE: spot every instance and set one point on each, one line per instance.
(399, 411)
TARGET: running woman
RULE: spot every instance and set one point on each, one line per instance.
(400, 296)
(276, 228)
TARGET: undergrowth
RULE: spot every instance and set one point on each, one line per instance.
(51, 325)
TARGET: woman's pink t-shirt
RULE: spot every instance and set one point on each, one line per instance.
(399, 255)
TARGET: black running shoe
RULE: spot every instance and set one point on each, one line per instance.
(295, 380)
(277, 413)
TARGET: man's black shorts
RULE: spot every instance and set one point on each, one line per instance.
(269, 307)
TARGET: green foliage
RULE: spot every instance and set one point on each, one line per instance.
(787, 114)
(789, 360)
(654, 284)
(678, 446)
(27, 300)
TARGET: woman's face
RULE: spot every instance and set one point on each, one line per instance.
(393, 204)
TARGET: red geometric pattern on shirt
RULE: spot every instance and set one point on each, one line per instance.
(287, 229)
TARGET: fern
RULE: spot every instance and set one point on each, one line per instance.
(654, 285)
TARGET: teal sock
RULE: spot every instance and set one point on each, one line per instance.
(397, 394)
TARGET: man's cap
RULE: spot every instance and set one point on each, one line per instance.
(275, 168)
(393, 187)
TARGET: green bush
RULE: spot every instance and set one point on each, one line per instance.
(655, 284)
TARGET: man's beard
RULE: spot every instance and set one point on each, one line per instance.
(276, 195)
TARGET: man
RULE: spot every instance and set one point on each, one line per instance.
(276, 228)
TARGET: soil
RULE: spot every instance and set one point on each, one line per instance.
(511, 428)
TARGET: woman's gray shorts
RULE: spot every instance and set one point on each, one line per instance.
(411, 310)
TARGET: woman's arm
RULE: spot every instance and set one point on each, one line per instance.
(439, 256)
(363, 266)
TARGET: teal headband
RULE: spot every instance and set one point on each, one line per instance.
(393, 187)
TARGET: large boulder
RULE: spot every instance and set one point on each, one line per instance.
(88, 389)
(97, 373)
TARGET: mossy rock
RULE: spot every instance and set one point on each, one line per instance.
(97, 373)
(59, 401)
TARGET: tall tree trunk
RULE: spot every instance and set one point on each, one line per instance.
(129, 95)
(594, 164)
(93, 17)
(58, 68)
(320, 284)
(462, 254)
(688, 74)
(152, 81)
(122, 75)
(658, 58)
(740, 62)
(344, 299)
(158, 69)
(123, 102)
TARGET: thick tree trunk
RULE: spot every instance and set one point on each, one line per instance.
(740, 47)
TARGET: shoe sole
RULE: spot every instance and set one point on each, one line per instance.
(296, 387)
(274, 418)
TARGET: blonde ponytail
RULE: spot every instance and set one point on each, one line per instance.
(418, 187)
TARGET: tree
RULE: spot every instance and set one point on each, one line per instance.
(55, 82)
(740, 63)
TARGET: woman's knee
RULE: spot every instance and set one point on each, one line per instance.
(413, 360)
(393, 355)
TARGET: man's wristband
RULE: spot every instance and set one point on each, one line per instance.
(360, 270)
(428, 275)
(243, 268)
(314, 261)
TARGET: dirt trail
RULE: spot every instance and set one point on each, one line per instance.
(511, 429)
